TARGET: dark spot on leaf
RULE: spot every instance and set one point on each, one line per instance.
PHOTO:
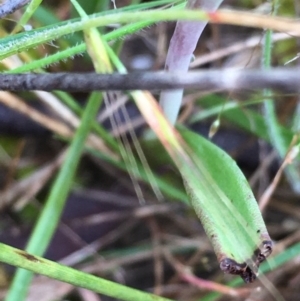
(258, 231)
(28, 256)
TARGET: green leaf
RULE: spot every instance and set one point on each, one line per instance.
(57, 271)
(218, 191)
(226, 206)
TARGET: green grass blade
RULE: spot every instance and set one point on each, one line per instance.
(33, 5)
(278, 142)
(52, 210)
(23, 41)
(20, 42)
(81, 48)
(54, 270)
(269, 107)
(90, 7)
(71, 103)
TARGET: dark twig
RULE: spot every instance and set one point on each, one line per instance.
(10, 6)
(280, 79)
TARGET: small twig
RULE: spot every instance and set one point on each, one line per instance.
(136, 213)
(17, 104)
(25, 189)
(10, 6)
(187, 276)
(222, 79)
(88, 295)
(215, 287)
(294, 238)
(54, 125)
(96, 245)
(157, 255)
(286, 208)
(239, 46)
(259, 172)
(13, 166)
(130, 258)
(291, 155)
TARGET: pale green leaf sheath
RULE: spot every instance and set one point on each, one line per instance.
(226, 206)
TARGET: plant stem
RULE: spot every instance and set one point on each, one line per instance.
(181, 49)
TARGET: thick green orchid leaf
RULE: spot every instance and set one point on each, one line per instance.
(226, 206)
(218, 191)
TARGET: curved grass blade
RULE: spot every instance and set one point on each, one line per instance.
(57, 271)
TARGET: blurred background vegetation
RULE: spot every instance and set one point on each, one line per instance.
(107, 228)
